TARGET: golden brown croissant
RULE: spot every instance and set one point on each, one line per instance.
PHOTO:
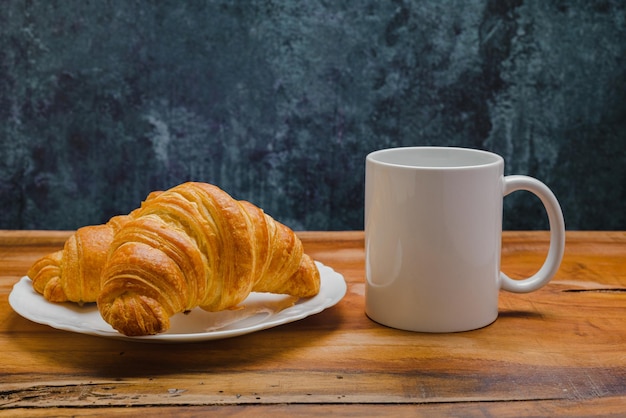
(194, 245)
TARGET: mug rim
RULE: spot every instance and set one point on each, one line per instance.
(482, 158)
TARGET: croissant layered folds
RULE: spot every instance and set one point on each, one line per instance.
(192, 245)
(73, 274)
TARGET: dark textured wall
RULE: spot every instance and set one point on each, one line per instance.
(278, 102)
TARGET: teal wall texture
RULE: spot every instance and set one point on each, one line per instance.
(278, 102)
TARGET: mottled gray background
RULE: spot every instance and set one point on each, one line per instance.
(278, 102)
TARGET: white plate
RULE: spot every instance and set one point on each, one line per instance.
(259, 311)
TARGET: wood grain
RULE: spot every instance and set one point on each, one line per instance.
(558, 351)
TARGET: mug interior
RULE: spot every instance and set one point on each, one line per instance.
(434, 157)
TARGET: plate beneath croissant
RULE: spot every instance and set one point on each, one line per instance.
(259, 311)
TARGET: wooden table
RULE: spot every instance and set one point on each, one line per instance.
(558, 351)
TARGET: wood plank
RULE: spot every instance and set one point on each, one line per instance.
(607, 406)
(481, 382)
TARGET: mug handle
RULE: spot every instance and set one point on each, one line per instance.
(557, 235)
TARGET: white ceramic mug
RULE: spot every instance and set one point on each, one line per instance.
(433, 227)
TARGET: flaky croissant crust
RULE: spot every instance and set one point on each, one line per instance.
(73, 274)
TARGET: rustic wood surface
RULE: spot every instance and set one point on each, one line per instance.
(558, 351)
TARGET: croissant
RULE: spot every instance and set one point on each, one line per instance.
(194, 245)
